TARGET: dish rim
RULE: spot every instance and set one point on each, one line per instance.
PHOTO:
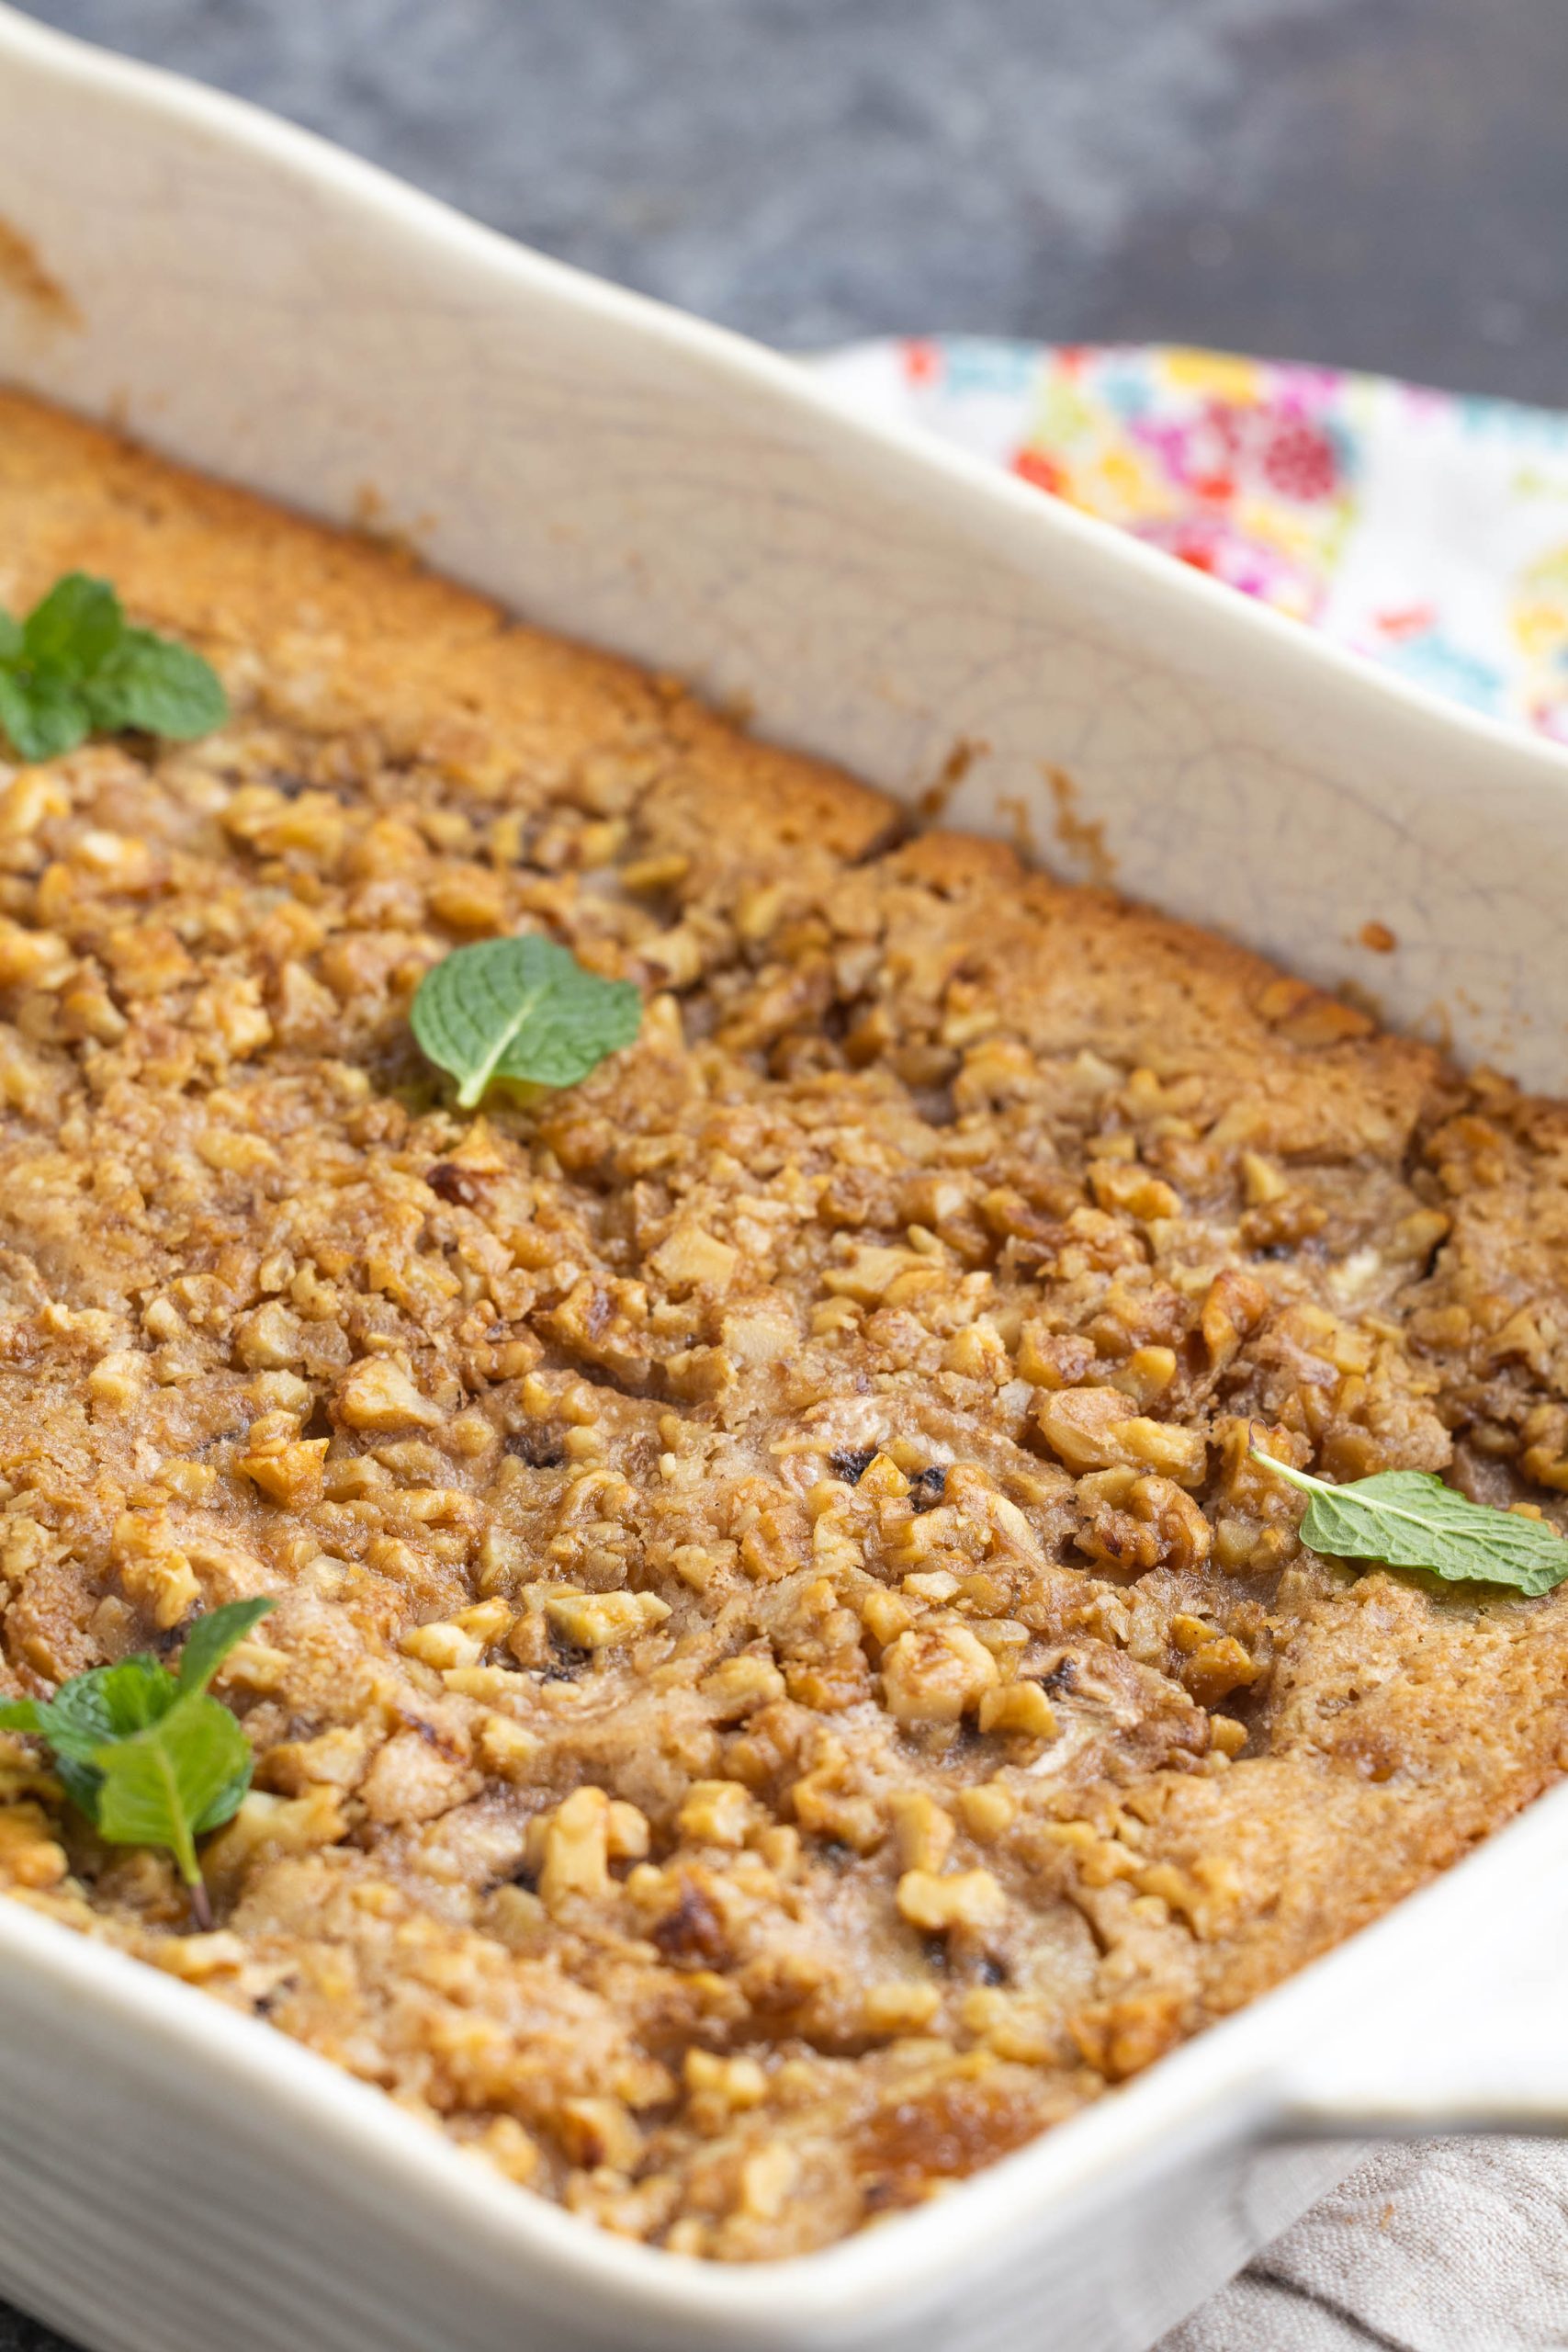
(1232, 2080)
(1243, 2078)
(1225, 2082)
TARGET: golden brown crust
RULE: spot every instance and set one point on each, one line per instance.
(784, 1680)
(343, 634)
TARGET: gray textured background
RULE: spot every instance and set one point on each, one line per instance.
(1377, 183)
(1380, 183)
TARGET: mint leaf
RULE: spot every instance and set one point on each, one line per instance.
(228, 1787)
(72, 1757)
(74, 666)
(521, 1009)
(107, 1703)
(212, 1637)
(1408, 1519)
(124, 1698)
(75, 627)
(161, 688)
(43, 715)
(182, 1775)
(148, 1755)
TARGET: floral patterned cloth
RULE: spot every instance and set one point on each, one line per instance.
(1428, 532)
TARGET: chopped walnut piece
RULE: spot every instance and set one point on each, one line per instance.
(576, 1849)
(936, 1675)
(377, 1395)
(599, 1620)
(964, 1899)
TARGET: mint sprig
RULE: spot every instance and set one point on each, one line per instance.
(151, 1758)
(1407, 1519)
(74, 668)
(521, 1009)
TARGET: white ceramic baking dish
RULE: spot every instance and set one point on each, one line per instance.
(173, 2176)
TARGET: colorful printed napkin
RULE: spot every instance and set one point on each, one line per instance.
(1427, 532)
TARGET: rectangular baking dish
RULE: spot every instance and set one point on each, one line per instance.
(173, 2176)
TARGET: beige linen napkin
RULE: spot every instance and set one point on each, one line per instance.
(1430, 2245)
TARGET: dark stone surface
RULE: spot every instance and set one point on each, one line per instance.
(1379, 182)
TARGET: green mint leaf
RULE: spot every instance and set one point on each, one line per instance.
(128, 1697)
(161, 688)
(109, 1703)
(78, 1779)
(74, 666)
(1407, 1519)
(43, 715)
(75, 626)
(183, 1773)
(148, 1755)
(228, 1792)
(522, 1009)
(104, 1704)
(212, 1637)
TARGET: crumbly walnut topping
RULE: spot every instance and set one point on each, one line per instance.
(784, 1679)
